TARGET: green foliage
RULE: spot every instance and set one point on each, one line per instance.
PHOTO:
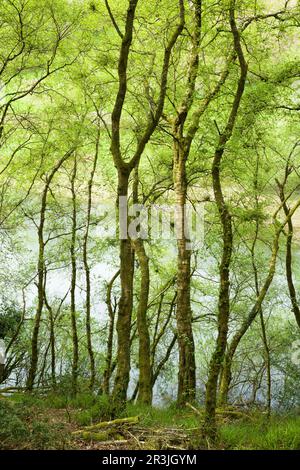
(22, 427)
(11, 426)
(59, 81)
(10, 316)
(281, 433)
(169, 416)
(95, 409)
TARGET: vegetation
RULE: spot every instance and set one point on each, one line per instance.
(57, 422)
(149, 224)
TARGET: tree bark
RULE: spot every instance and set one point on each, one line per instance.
(226, 223)
(109, 349)
(289, 246)
(125, 303)
(87, 268)
(181, 147)
(187, 365)
(258, 303)
(52, 336)
(40, 270)
(73, 284)
(145, 367)
(124, 170)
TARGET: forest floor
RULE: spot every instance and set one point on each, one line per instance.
(88, 423)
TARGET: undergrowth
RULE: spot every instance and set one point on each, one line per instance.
(25, 423)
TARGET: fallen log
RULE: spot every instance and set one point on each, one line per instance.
(105, 424)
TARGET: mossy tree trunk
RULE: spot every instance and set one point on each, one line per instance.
(145, 367)
(181, 149)
(110, 337)
(289, 240)
(124, 169)
(87, 266)
(52, 334)
(258, 303)
(187, 365)
(40, 270)
(126, 301)
(227, 238)
(75, 345)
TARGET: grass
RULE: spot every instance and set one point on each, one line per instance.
(33, 422)
(163, 417)
(280, 433)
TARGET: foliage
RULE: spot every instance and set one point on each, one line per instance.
(23, 428)
(281, 433)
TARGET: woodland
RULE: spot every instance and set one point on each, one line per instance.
(112, 337)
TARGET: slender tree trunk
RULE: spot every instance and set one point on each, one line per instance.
(187, 365)
(226, 222)
(52, 336)
(181, 148)
(145, 367)
(223, 304)
(40, 270)
(267, 362)
(126, 300)
(226, 378)
(73, 284)
(40, 283)
(124, 169)
(158, 335)
(125, 250)
(164, 360)
(87, 268)
(111, 325)
(226, 374)
(289, 249)
(257, 288)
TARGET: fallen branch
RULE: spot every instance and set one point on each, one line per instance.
(198, 412)
(106, 424)
(230, 412)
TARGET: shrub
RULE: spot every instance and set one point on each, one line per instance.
(12, 429)
(21, 427)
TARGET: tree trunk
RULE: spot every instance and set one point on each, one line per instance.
(52, 335)
(40, 283)
(40, 270)
(126, 300)
(226, 222)
(187, 366)
(111, 312)
(87, 268)
(267, 362)
(145, 366)
(289, 250)
(124, 170)
(226, 374)
(223, 304)
(145, 369)
(73, 284)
